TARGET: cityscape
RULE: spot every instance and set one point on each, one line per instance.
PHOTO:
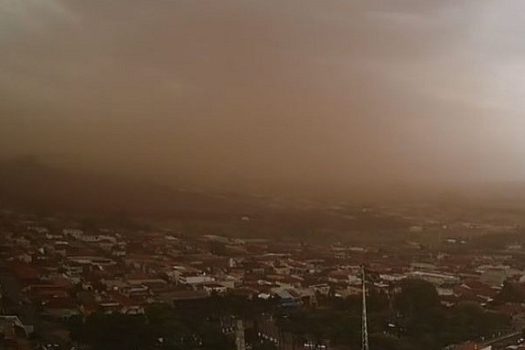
(262, 175)
(70, 284)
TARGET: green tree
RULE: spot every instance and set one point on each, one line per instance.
(417, 297)
(510, 293)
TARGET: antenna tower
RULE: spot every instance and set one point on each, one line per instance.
(364, 325)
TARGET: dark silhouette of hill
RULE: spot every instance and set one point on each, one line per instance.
(28, 184)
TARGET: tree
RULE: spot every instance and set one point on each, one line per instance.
(510, 293)
(386, 342)
(114, 332)
(417, 297)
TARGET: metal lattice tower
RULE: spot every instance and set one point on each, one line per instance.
(364, 325)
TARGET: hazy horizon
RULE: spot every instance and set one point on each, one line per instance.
(308, 94)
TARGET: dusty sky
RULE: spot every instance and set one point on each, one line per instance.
(319, 92)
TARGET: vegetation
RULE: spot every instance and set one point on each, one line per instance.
(166, 327)
(160, 328)
(510, 293)
(412, 319)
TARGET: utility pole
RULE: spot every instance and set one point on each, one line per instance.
(364, 326)
(239, 335)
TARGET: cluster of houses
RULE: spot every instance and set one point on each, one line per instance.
(68, 271)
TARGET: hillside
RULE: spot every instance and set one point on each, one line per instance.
(30, 185)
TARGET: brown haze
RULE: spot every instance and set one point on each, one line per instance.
(305, 92)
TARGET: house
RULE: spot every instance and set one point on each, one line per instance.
(214, 288)
(436, 279)
(322, 289)
(195, 279)
(288, 298)
(469, 346)
(13, 334)
(495, 275)
(60, 308)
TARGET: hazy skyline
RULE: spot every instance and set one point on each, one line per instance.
(324, 93)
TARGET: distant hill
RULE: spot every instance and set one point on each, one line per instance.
(30, 185)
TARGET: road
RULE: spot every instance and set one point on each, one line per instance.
(505, 340)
